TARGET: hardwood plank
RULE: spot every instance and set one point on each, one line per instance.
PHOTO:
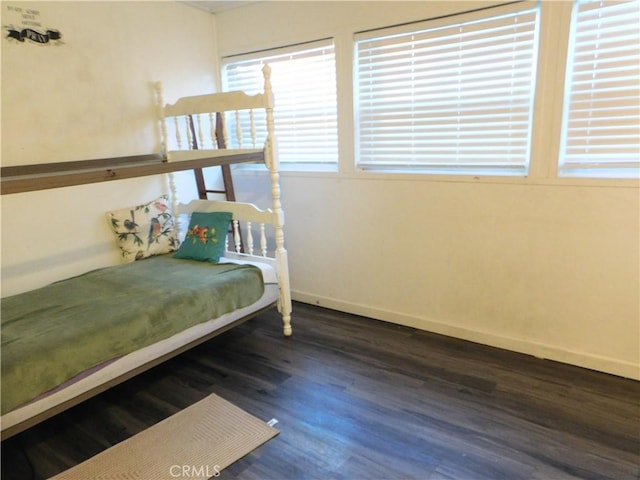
(358, 398)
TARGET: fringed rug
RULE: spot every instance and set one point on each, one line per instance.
(195, 443)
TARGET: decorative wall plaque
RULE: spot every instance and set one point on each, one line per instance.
(26, 27)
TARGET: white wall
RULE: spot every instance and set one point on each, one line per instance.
(540, 265)
(90, 97)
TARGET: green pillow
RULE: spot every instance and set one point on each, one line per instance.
(205, 237)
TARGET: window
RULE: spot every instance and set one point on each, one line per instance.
(453, 95)
(304, 86)
(601, 125)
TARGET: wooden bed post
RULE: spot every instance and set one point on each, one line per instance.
(165, 151)
(271, 160)
(164, 148)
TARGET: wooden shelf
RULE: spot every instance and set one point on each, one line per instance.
(28, 178)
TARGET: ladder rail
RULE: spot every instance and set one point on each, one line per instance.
(227, 179)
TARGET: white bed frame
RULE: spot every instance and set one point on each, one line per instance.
(193, 121)
(263, 244)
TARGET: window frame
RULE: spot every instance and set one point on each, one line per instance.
(586, 170)
(268, 56)
(547, 112)
(462, 170)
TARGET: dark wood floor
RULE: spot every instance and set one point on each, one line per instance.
(361, 399)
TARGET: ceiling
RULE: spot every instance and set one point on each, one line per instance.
(217, 6)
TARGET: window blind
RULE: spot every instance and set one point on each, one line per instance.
(304, 86)
(454, 97)
(601, 125)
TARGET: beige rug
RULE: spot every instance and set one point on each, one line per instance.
(195, 443)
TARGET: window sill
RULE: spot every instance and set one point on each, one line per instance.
(330, 171)
(478, 179)
(312, 168)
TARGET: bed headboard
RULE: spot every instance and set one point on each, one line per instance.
(218, 124)
(260, 228)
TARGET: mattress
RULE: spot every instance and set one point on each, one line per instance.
(93, 379)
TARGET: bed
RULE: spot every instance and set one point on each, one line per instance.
(158, 305)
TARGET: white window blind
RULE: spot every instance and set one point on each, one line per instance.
(304, 87)
(601, 127)
(451, 96)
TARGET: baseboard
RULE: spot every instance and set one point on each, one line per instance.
(550, 352)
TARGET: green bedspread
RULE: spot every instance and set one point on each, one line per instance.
(51, 334)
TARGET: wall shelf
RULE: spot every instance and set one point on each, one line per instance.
(28, 178)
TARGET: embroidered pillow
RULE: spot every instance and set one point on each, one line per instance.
(144, 230)
(205, 237)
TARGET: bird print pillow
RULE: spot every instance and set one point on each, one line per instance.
(144, 230)
(205, 239)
